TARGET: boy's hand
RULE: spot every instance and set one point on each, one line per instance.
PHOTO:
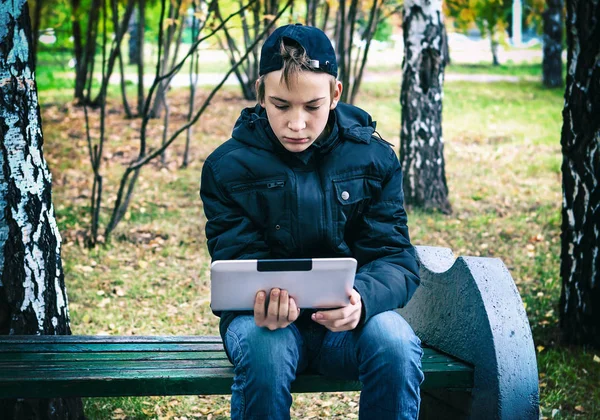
(280, 312)
(341, 319)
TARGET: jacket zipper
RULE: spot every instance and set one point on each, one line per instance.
(258, 185)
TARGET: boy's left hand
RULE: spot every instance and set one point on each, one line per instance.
(341, 319)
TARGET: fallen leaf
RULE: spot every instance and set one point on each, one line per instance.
(579, 408)
(540, 349)
(596, 359)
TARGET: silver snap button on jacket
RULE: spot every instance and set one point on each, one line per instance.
(345, 195)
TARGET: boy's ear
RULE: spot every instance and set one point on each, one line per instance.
(337, 94)
(261, 103)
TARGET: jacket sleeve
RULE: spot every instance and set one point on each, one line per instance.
(230, 234)
(389, 273)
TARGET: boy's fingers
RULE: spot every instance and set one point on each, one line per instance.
(273, 310)
(259, 308)
(283, 306)
(354, 297)
(259, 304)
(293, 311)
(328, 315)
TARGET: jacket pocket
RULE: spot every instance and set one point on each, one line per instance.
(352, 196)
(351, 191)
(271, 184)
(267, 203)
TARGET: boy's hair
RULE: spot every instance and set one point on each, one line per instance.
(295, 61)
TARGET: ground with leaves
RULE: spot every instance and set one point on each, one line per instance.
(152, 276)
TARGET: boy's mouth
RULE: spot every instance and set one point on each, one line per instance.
(296, 140)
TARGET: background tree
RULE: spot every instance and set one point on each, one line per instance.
(421, 142)
(252, 23)
(145, 153)
(119, 30)
(580, 141)
(174, 24)
(36, 21)
(490, 17)
(33, 298)
(84, 49)
(348, 23)
(553, 36)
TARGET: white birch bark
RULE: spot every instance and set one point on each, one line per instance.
(32, 289)
(421, 140)
(31, 282)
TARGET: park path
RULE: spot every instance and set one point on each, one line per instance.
(212, 79)
(473, 53)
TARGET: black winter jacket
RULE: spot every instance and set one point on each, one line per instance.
(339, 198)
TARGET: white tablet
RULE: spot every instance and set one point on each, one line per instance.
(313, 282)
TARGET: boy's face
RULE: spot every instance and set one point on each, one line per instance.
(298, 115)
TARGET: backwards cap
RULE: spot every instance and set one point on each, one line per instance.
(314, 41)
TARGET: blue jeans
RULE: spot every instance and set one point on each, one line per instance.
(384, 354)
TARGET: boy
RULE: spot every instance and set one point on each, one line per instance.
(304, 176)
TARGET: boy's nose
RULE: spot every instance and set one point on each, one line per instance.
(297, 124)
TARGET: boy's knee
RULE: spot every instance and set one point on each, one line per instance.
(392, 339)
(259, 348)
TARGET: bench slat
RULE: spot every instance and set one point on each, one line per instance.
(43, 357)
(112, 339)
(52, 366)
(105, 347)
(20, 369)
(196, 381)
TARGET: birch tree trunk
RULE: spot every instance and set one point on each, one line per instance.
(421, 141)
(33, 298)
(553, 31)
(580, 141)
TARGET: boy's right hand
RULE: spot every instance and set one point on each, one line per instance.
(279, 313)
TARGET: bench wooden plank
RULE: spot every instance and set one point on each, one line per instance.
(193, 381)
(14, 357)
(19, 369)
(105, 347)
(51, 366)
(111, 339)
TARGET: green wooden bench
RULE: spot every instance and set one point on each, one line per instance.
(110, 366)
(479, 361)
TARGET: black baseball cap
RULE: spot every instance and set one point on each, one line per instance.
(314, 41)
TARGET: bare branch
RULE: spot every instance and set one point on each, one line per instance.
(157, 152)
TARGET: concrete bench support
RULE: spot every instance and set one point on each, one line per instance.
(471, 309)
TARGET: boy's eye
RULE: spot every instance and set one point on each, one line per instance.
(313, 108)
(281, 106)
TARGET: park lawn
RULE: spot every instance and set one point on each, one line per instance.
(152, 276)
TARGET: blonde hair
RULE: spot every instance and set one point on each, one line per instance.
(295, 61)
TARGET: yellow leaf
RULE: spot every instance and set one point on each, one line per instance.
(596, 359)
(579, 408)
(540, 349)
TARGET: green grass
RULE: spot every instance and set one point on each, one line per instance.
(502, 152)
(521, 69)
